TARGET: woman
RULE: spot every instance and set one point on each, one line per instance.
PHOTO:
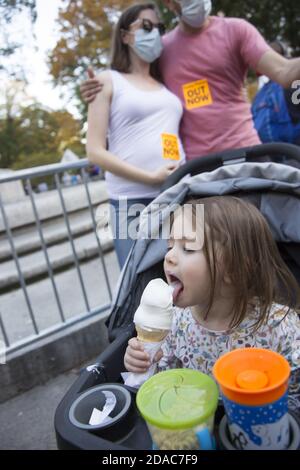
(140, 118)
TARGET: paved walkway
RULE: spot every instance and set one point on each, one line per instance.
(27, 421)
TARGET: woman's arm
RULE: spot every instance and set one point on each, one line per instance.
(98, 121)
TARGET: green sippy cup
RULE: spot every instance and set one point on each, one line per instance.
(179, 406)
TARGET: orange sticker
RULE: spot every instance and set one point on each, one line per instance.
(197, 94)
(170, 146)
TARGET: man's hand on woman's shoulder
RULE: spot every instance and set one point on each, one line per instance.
(91, 86)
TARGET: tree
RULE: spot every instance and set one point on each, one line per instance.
(86, 29)
(47, 131)
(169, 18)
(8, 9)
(36, 134)
(12, 94)
(280, 19)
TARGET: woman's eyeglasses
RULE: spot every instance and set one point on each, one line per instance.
(148, 26)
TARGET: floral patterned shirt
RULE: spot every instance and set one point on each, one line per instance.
(191, 345)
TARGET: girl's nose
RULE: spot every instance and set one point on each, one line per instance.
(171, 256)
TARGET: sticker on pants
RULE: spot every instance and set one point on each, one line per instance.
(197, 94)
(170, 147)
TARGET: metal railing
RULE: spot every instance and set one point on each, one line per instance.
(27, 176)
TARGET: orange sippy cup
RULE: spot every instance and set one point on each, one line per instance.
(254, 384)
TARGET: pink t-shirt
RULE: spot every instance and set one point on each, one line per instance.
(207, 72)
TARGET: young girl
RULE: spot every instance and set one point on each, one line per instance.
(231, 290)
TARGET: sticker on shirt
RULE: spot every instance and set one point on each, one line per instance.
(197, 94)
(170, 146)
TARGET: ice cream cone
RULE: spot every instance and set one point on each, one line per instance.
(150, 335)
(153, 321)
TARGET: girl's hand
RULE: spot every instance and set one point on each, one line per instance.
(90, 87)
(136, 359)
(160, 175)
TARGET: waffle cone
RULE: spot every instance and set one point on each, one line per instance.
(150, 336)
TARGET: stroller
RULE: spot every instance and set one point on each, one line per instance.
(273, 187)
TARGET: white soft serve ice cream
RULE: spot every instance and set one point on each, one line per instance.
(156, 306)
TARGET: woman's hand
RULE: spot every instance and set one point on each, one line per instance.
(136, 359)
(160, 175)
(90, 87)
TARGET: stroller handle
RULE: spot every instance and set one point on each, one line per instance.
(215, 160)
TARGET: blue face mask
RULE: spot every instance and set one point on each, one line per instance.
(194, 12)
(147, 45)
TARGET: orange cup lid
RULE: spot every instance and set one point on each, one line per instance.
(252, 372)
(251, 379)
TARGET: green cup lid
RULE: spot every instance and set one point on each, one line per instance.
(177, 399)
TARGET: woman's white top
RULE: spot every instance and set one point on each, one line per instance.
(143, 131)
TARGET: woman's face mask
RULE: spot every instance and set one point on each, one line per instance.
(194, 12)
(147, 45)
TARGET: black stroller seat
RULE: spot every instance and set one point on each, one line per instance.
(274, 188)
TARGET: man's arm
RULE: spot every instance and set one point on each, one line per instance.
(279, 69)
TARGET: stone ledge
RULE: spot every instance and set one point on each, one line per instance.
(27, 239)
(61, 256)
(36, 364)
(48, 204)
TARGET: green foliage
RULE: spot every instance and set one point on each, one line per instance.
(36, 159)
(9, 136)
(37, 136)
(169, 19)
(86, 30)
(279, 19)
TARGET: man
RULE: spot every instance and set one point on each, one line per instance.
(205, 62)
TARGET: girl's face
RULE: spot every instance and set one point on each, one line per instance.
(185, 264)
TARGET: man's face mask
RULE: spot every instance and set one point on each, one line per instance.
(194, 12)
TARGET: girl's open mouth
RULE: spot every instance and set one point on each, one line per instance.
(177, 286)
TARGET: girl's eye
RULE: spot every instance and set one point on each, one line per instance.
(169, 248)
(187, 250)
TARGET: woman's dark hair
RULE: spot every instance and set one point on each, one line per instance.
(120, 59)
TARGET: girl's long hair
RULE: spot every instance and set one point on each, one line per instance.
(238, 243)
(120, 58)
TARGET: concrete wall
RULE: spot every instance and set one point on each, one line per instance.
(38, 363)
(11, 192)
(48, 204)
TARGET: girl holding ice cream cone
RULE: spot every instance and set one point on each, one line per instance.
(231, 290)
